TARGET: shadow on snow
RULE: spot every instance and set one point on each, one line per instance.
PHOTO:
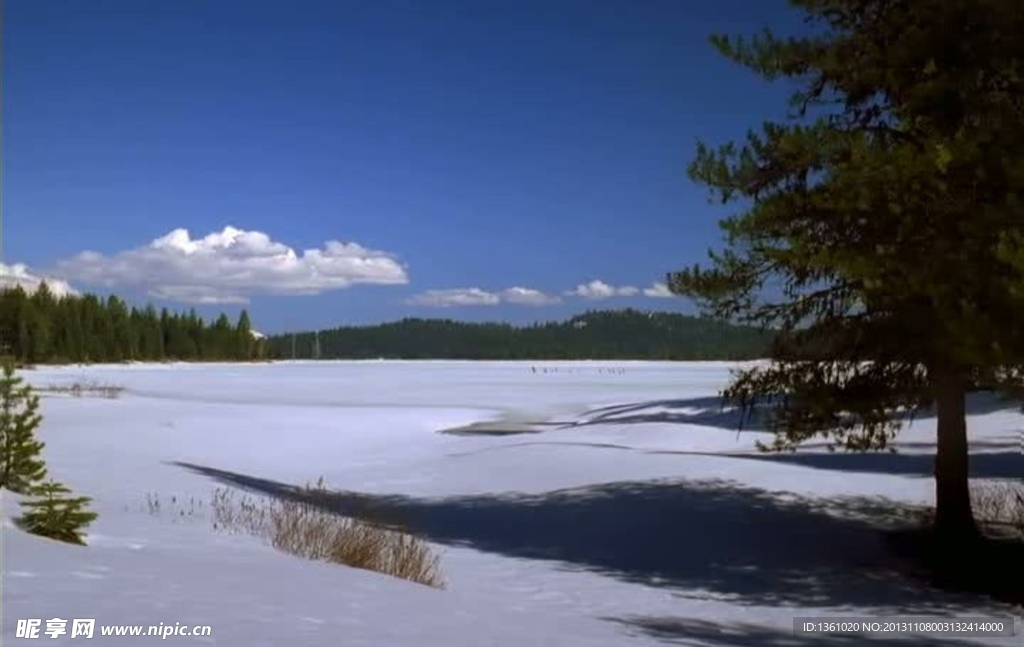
(719, 537)
(685, 631)
(713, 411)
(988, 464)
(994, 465)
(1001, 458)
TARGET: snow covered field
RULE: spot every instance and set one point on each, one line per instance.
(642, 517)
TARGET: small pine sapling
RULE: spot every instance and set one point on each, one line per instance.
(54, 513)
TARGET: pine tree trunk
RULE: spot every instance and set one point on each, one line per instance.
(954, 519)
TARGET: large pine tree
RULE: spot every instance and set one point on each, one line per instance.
(881, 230)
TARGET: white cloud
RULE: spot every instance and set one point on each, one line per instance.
(12, 276)
(455, 297)
(597, 290)
(658, 291)
(477, 297)
(231, 265)
(528, 297)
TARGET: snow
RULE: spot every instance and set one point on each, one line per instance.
(632, 513)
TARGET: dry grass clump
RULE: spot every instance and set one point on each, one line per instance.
(239, 514)
(303, 529)
(174, 508)
(83, 389)
(999, 505)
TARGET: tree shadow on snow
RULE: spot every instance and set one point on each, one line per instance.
(685, 631)
(709, 411)
(714, 536)
(990, 443)
(713, 411)
(1007, 464)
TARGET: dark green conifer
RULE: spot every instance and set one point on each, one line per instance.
(880, 230)
(53, 513)
(21, 462)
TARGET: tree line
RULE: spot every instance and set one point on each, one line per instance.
(40, 328)
(624, 334)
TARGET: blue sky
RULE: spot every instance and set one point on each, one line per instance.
(454, 151)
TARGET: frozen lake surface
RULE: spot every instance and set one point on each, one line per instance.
(630, 511)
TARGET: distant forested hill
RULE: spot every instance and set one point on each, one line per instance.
(620, 334)
(41, 328)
